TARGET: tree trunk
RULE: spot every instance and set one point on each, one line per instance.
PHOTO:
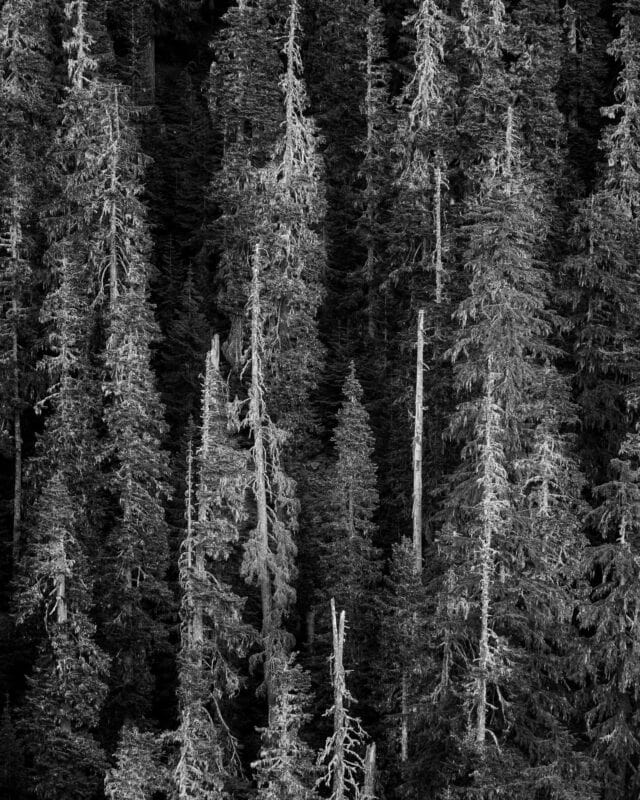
(368, 792)
(339, 722)
(437, 218)
(490, 518)
(404, 724)
(417, 447)
(114, 136)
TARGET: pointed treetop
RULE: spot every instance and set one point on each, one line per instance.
(351, 388)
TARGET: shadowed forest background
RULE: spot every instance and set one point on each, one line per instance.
(319, 399)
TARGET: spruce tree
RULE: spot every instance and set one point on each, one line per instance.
(136, 549)
(67, 687)
(503, 351)
(140, 771)
(270, 551)
(213, 635)
(349, 563)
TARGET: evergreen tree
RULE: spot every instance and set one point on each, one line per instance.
(349, 567)
(213, 635)
(136, 547)
(504, 336)
(139, 773)
(285, 768)
(68, 685)
(270, 551)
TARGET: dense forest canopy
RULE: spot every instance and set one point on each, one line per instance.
(319, 399)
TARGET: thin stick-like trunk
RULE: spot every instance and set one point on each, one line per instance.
(368, 792)
(114, 136)
(437, 219)
(489, 520)
(15, 239)
(339, 721)
(404, 725)
(417, 446)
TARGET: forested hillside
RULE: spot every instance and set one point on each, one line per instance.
(319, 399)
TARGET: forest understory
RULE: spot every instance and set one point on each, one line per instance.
(319, 400)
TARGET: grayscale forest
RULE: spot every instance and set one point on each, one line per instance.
(319, 400)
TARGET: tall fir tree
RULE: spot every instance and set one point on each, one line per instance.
(350, 563)
(136, 548)
(213, 635)
(285, 768)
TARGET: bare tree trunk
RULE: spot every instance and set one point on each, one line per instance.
(15, 238)
(417, 446)
(490, 521)
(114, 137)
(62, 613)
(437, 218)
(368, 791)
(404, 711)
(339, 721)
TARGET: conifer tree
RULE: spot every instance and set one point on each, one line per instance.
(247, 112)
(295, 205)
(136, 548)
(504, 336)
(285, 768)
(270, 551)
(282, 203)
(140, 771)
(68, 685)
(350, 567)
(213, 635)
